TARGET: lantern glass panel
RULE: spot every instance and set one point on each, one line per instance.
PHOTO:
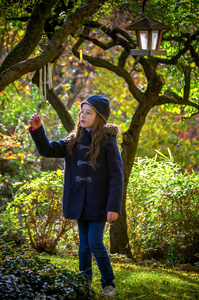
(154, 39)
(144, 39)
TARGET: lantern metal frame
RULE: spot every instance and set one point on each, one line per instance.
(149, 35)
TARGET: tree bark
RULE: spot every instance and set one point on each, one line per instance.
(119, 240)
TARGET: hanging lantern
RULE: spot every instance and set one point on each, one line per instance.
(149, 35)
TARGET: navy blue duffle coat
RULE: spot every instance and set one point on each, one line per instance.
(88, 194)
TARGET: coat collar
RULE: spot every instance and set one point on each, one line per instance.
(111, 129)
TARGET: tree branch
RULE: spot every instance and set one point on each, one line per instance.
(149, 66)
(32, 35)
(164, 99)
(125, 41)
(187, 74)
(187, 46)
(110, 32)
(123, 58)
(102, 63)
(54, 47)
(194, 55)
(97, 42)
(172, 97)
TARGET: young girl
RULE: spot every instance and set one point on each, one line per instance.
(93, 181)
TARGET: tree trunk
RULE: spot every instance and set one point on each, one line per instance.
(118, 231)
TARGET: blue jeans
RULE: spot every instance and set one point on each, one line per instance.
(91, 241)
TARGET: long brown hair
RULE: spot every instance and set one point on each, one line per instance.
(98, 136)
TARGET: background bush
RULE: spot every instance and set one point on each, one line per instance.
(163, 211)
(36, 212)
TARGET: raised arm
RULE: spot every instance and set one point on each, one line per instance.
(44, 147)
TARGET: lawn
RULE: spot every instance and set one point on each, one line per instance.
(140, 282)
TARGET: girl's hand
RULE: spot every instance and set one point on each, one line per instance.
(35, 121)
(112, 216)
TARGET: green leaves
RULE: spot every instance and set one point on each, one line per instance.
(37, 212)
(34, 278)
(163, 210)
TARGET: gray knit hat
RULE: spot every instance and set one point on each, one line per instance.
(100, 104)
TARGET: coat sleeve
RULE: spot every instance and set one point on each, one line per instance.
(115, 175)
(46, 148)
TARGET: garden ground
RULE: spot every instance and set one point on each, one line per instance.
(143, 282)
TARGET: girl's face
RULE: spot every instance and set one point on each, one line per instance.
(87, 116)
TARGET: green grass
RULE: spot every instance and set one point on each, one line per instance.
(135, 282)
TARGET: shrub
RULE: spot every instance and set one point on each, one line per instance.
(37, 212)
(163, 210)
(15, 159)
(22, 277)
